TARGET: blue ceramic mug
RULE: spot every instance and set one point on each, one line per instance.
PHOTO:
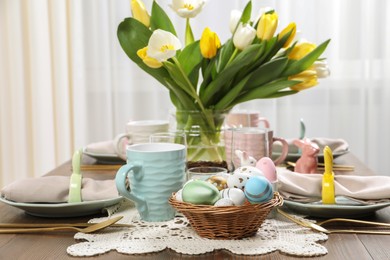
(154, 170)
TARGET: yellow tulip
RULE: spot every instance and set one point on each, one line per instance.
(139, 12)
(209, 43)
(301, 50)
(308, 79)
(290, 28)
(267, 26)
(149, 61)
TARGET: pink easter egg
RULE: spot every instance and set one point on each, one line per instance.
(267, 166)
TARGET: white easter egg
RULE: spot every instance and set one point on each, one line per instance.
(178, 196)
(238, 180)
(252, 171)
(224, 202)
(235, 194)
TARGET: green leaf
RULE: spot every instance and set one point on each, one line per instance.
(267, 72)
(298, 66)
(233, 93)
(224, 55)
(160, 20)
(190, 57)
(277, 45)
(180, 99)
(225, 76)
(132, 36)
(246, 14)
(265, 91)
(179, 78)
(254, 65)
(282, 93)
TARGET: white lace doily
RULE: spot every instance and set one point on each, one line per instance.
(276, 234)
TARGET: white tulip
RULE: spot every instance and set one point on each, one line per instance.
(244, 36)
(322, 69)
(162, 45)
(235, 17)
(187, 8)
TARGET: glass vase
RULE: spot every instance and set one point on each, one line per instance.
(203, 129)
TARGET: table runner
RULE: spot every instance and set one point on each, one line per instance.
(276, 234)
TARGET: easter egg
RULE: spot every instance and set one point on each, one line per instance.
(238, 180)
(250, 170)
(178, 195)
(258, 189)
(224, 202)
(218, 181)
(200, 192)
(267, 166)
(234, 194)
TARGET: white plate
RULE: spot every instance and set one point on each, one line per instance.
(104, 158)
(59, 210)
(334, 211)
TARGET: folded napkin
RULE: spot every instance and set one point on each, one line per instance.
(55, 189)
(336, 145)
(101, 148)
(307, 187)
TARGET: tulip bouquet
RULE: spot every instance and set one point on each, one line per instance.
(207, 77)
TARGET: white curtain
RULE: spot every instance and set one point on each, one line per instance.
(65, 81)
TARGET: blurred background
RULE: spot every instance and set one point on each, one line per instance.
(65, 81)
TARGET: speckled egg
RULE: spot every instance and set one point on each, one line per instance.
(224, 202)
(258, 189)
(218, 181)
(250, 170)
(238, 180)
(235, 194)
(200, 192)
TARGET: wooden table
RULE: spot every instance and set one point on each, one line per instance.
(53, 245)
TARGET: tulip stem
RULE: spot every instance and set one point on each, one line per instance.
(189, 37)
(232, 57)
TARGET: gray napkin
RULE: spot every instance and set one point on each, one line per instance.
(55, 189)
(307, 187)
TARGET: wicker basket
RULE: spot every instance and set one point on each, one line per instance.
(227, 222)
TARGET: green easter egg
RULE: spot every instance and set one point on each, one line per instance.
(200, 192)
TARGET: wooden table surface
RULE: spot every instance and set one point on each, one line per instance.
(53, 245)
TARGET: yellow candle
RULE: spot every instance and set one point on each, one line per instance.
(328, 196)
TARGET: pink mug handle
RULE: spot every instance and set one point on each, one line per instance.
(265, 121)
(284, 153)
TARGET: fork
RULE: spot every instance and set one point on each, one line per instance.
(319, 228)
(88, 229)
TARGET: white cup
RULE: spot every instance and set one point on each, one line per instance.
(138, 132)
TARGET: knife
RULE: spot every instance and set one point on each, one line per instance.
(328, 194)
(75, 178)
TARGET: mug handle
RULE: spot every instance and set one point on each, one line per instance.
(120, 144)
(265, 121)
(284, 153)
(120, 181)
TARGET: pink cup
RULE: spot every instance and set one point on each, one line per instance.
(252, 140)
(245, 119)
